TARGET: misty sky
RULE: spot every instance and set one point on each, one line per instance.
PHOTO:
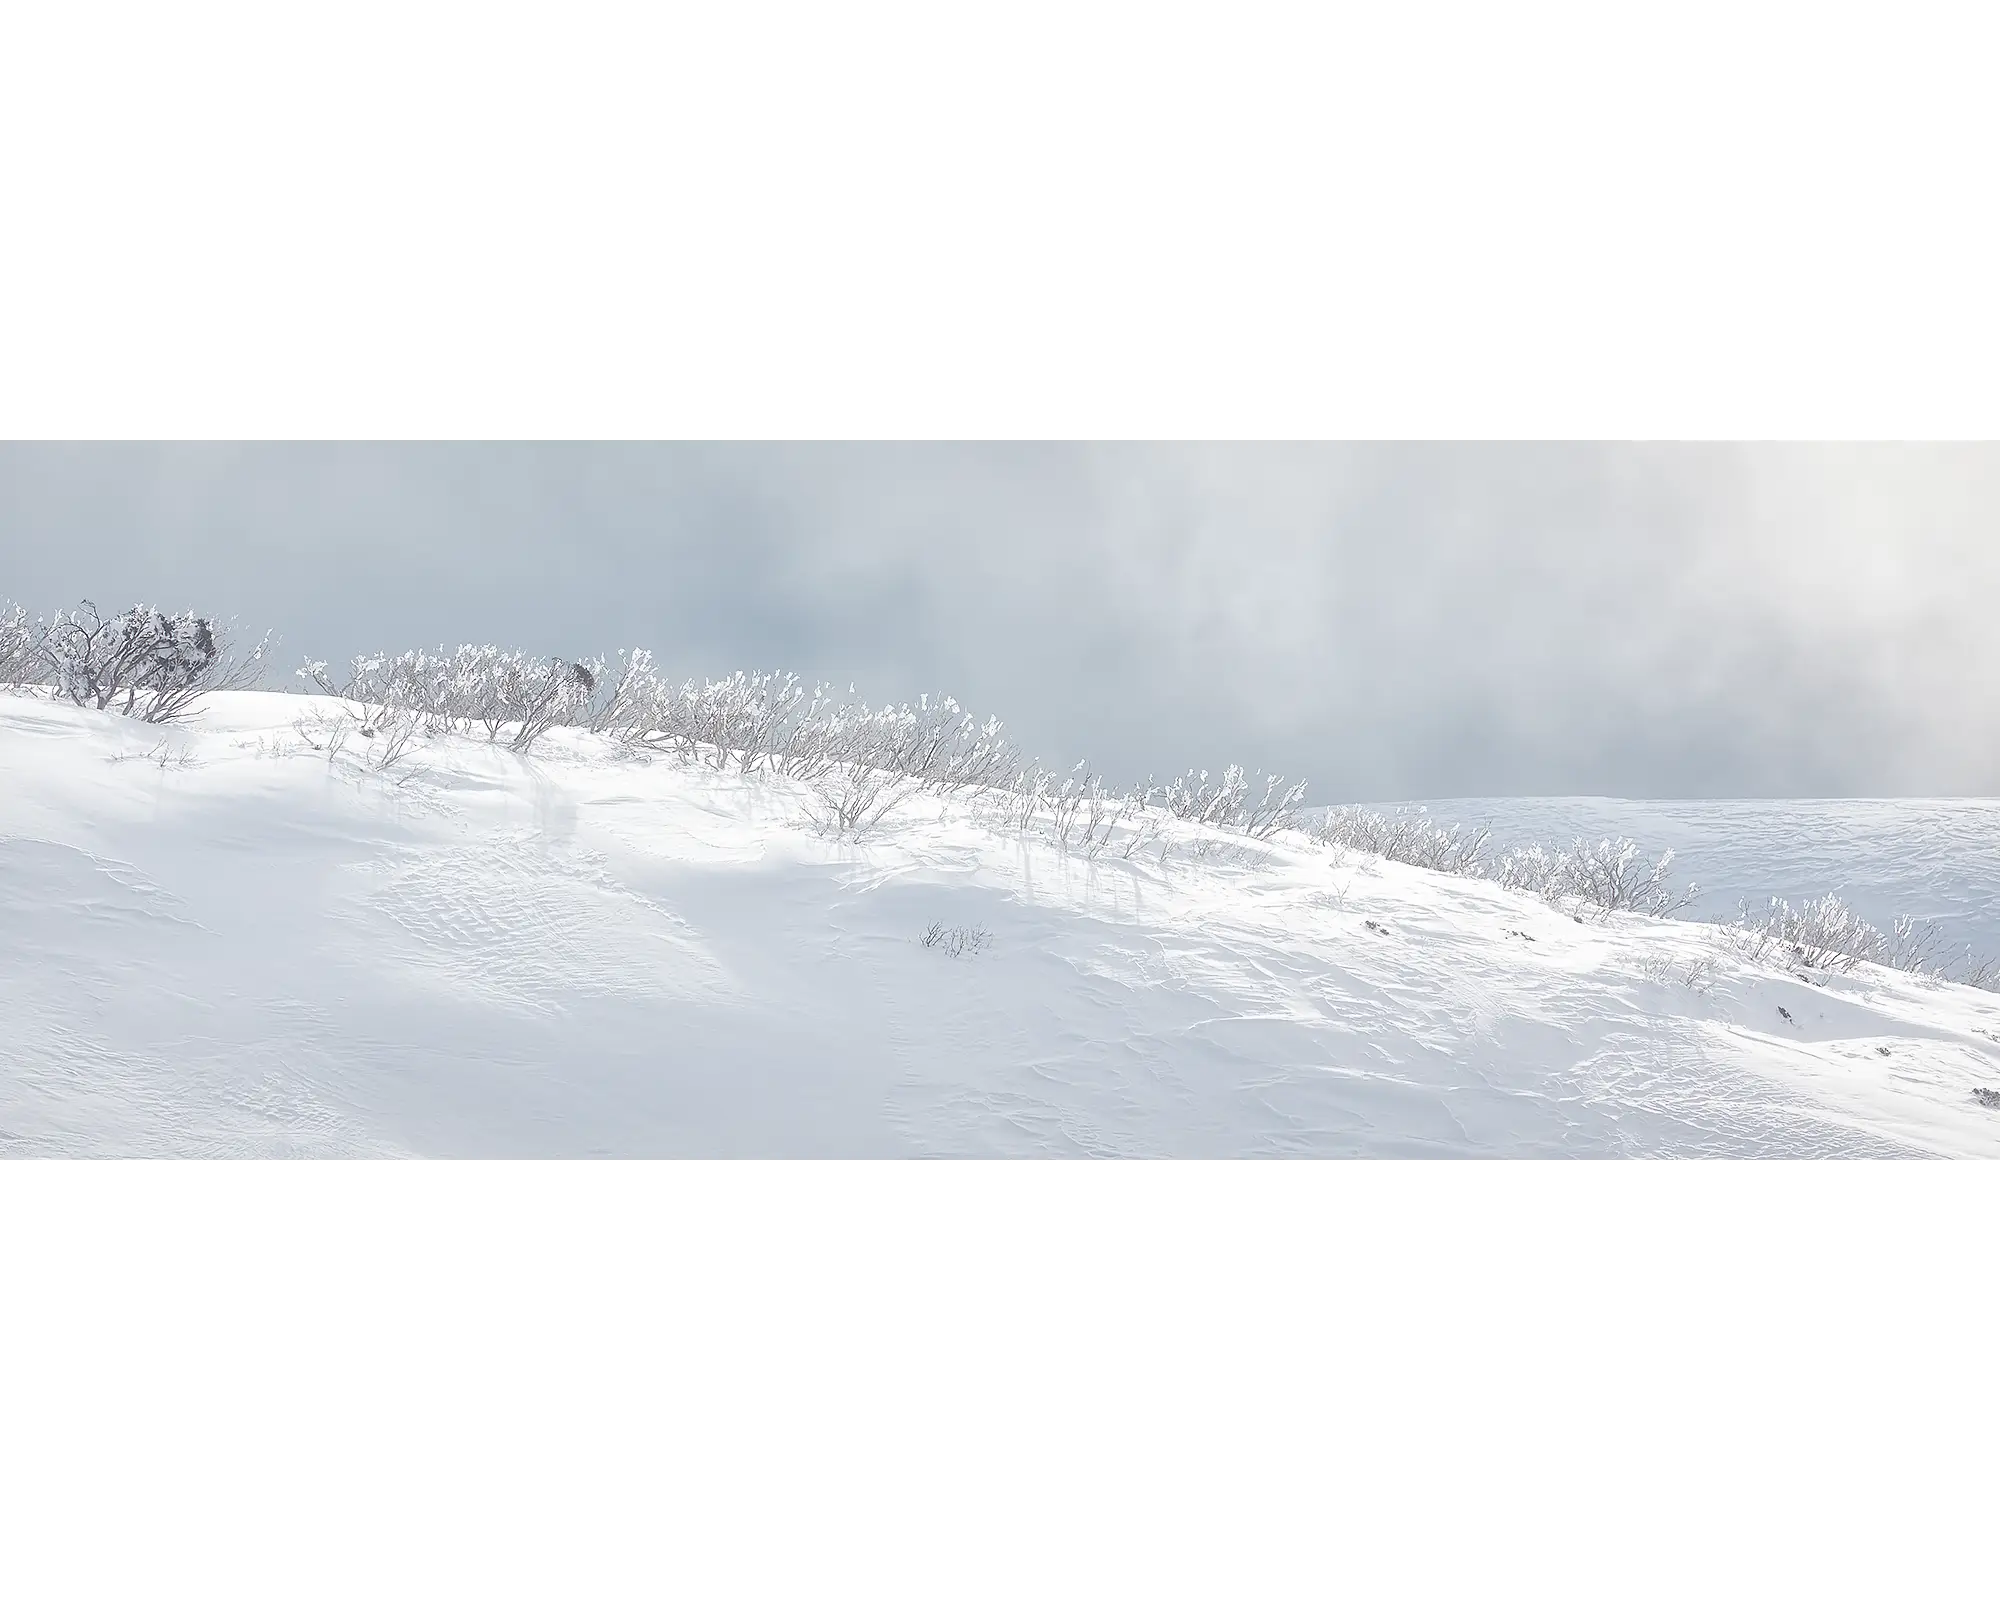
(1389, 622)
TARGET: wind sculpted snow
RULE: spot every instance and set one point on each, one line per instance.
(222, 942)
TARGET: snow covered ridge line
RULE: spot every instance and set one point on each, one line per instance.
(860, 763)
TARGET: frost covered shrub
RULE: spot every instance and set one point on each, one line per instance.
(852, 799)
(1077, 812)
(1406, 836)
(1913, 946)
(1828, 935)
(1825, 935)
(1021, 802)
(1275, 809)
(1193, 798)
(386, 733)
(936, 744)
(1085, 813)
(1232, 802)
(21, 663)
(474, 687)
(752, 721)
(1609, 875)
(1980, 972)
(539, 695)
(744, 717)
(1698, 973)
(942, 746)
(142, 663)
(1081, 814)
(770, 721)
(956, 942)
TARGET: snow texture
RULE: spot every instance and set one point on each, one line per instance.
(226, 943)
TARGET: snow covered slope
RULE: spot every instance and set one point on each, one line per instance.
(233, 946)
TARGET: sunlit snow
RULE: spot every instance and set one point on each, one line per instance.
(215, 941)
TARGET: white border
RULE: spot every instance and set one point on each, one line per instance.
(1071, 220)
(997, 1378)
(1064, 220)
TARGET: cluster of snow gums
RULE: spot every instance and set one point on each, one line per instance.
(1604, 875)
(856, 763)
(18, 656)
(140, 663)
(771, 722)
(751, 721)
(1607, 876)
(1828, 935)
(476, 688)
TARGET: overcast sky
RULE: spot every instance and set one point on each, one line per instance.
(1388, 622)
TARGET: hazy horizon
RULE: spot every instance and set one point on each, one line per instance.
(1389, 622)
